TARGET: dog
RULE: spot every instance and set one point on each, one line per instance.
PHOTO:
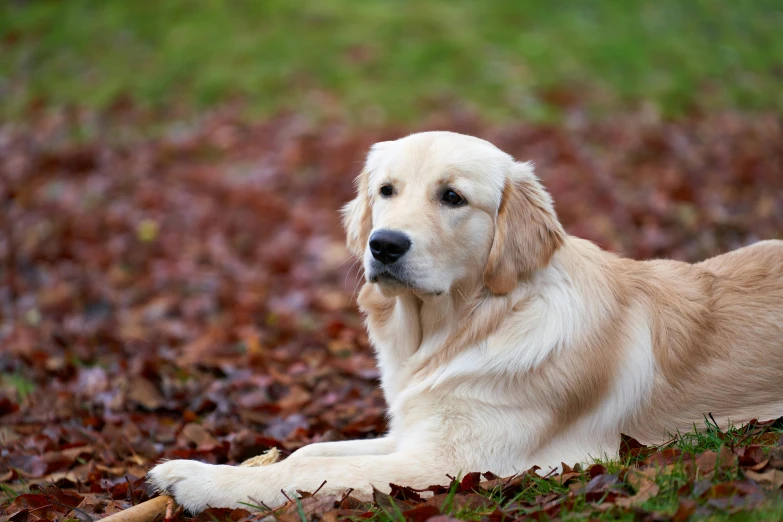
(503, 342)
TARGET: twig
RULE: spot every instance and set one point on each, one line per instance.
(130, 490)
(148, 511)
(264, 505)
(40, 507)
(512, 477)
(284, 494)
(88, 517)
(319, 488)
(346, 495)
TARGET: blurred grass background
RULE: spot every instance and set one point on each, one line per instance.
(383, 61)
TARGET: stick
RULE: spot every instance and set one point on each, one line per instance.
(269, 457)
(149, 511)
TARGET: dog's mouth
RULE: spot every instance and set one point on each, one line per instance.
(388, 277)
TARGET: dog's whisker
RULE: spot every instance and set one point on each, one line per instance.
(359, 279)
(349, 271)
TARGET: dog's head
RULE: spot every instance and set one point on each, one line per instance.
(437, 209)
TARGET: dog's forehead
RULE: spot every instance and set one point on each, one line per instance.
(433, 154)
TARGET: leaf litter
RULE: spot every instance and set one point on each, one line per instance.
(191, 297)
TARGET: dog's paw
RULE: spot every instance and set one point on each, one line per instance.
(194, 485)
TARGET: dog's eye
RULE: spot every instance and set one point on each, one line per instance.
(452, 198)
(387, 191)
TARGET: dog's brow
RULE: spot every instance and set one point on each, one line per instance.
(384, 176)
(448, 177)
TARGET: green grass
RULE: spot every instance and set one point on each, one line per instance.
(669, 480)
(711, 438)
(17, 382)
(387, 60)
(8, 493)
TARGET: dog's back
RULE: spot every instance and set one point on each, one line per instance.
(720, 346)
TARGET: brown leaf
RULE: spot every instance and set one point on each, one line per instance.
(64, 498)
(765, 439)
(470, 482)
(312, 506)
(470, 501)
(637, 478)
(726, 460)
(666, 457)
(143, 392)
(7, 406)
(32, 502)
(348, 514)
(723, 490)
(685, 509)
(199, 436)
(421, 513)
(386, 503)
(630, 447)
(772, 477)
(446, 518)
(404, 493)
(750, 456)
(564, 478)
(706, 462)
(296, 398)
(599, 487)
(596, 470)
(645, 487)
(212, 514)
(776, 457)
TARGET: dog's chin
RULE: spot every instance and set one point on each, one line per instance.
(391, 285)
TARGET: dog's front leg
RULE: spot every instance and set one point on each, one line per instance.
(379, 446)
(196, 485)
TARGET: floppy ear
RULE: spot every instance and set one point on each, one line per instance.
(357, 214)
(357, 217)
(527, 232)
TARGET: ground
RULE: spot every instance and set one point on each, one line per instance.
(192, 297)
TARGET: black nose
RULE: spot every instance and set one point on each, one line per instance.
(387, 246)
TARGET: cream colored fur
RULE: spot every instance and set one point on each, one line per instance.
(511, 343)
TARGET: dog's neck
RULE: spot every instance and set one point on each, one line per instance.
(437, 317)
(411, 333)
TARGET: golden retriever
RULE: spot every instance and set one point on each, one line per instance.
(503, 342)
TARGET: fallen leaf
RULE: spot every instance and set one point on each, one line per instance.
(706, 462)
(772, 477)
(404, 493)
(630, 448)
(199, 436)
(145, 393)
(645, 487)
(421, 513)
